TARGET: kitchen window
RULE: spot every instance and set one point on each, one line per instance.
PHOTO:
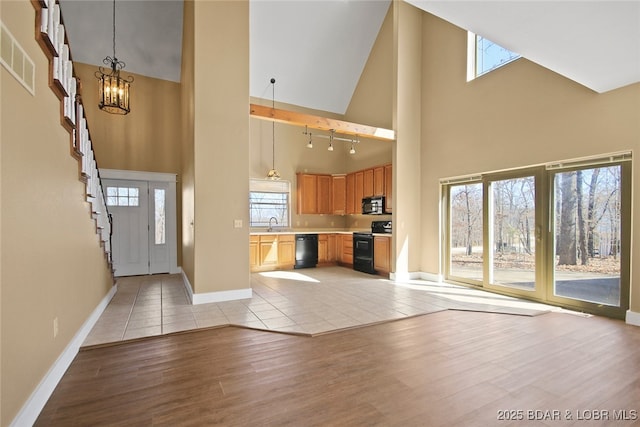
(269, 199)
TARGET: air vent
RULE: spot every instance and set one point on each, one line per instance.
(15, 60)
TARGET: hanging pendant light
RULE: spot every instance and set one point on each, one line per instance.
(273, 174)
(113, 90)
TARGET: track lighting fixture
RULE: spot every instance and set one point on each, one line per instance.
(331, 137)
(310, 143)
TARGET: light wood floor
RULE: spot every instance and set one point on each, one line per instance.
(449, 368)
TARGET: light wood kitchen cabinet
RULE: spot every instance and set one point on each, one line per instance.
(324, 194)
(268, 251)
(254, 252)
(378, 181)
(358, 193)
(382, 254)
(339, 194)
(388, 188)
(272, 252)
(323, 248)
(307, 193)
(327, 248)
(345, 249)
(342, 194)
(331, 247)
(350, 194)
(367, 184)
(286, 251)
(313, 193)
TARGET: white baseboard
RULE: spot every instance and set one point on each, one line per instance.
(400, 277)
(219, 296)
(415, 275)
(34, 404)
(431, 277)
(633, 318)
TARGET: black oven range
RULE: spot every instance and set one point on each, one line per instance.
(363, 246)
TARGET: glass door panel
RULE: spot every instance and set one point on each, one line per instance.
(465, 234)
(587, 234)
(512, 206)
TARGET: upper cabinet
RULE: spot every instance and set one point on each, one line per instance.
(342, 194)
(388, 188)
(339, 194)
(314, 193)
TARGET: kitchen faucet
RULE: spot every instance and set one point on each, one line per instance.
(270, 225)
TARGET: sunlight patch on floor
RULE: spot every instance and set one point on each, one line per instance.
(290, 275)
(474, 296)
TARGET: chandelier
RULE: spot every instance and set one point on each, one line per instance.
(113, 90)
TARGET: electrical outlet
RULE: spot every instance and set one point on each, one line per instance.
(55, 327)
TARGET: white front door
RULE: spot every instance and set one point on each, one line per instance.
(143, 230)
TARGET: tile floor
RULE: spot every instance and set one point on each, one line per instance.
(309, 301)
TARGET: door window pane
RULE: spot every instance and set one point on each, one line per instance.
(587, 235)
(123, 196)
(465, 234)
(513, 233)
(159, 215)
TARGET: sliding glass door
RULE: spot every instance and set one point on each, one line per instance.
(589, 206)
(466, 247)
(513, 231)
(557, 233)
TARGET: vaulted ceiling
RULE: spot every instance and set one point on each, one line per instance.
(316, 49)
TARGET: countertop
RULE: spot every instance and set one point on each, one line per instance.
(257, 232)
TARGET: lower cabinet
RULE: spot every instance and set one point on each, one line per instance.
(272, 252)
(278, 251)
(286, 251)
(345, 249)
(326, 248)
(382, 254)
(254, 252)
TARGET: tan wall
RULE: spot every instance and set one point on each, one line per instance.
(146, 139)
(52, 263)
(186, 142)
(519, 115)
(221, 145)
(407, 244)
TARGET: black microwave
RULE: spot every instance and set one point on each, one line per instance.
(373, 205)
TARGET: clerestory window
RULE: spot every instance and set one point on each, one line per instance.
(484, 56)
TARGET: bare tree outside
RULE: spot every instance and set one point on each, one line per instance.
(466, 230)
(513, 224)
(588, 234)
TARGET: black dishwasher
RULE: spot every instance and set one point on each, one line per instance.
(306, 250)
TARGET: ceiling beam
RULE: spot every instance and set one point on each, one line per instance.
(321, 123)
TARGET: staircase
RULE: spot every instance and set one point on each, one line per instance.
(52, 38)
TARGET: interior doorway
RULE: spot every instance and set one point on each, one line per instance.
(143, 210)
